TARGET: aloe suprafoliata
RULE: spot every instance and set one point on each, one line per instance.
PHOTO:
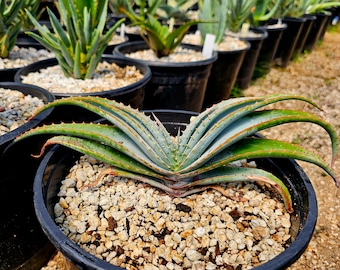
(78, 40)
(201, 156)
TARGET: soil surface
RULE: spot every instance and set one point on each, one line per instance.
(315, 75)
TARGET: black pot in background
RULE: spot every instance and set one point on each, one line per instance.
(315, 32)
(329, 18)
(307, 27)
(268, 49)
(249, 61)
(288, 41)
(23, 245)
(174, 85)
(223, 75)
(129, 95)
(57, 162)
(34, 91)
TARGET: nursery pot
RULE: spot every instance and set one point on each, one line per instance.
(223, 75)
(268, 49)
(34, 91)
(315, 32)
(57, 162)
(289, 40)
(329, 18)
(249, 61)
(173, 85)
(23, 245)
(307, 27)
(132, 94)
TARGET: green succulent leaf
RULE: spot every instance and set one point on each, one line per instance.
(203, 155)
(78, 39)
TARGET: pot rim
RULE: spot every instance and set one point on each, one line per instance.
(111, 58)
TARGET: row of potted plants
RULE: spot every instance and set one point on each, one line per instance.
(78, 42)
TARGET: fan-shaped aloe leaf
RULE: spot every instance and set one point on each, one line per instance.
(257, 121)
(104, 153)
(104, 134)
(250, 148)
(147, 137)
(239, 174)
(220, 119)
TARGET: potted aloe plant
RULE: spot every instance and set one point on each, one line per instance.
(200, 156)
(238, 24)
(176, 83)
(12, 21)
(78, 42)
(231, 50)
(318, 8)
(261, 17)
(291, 13)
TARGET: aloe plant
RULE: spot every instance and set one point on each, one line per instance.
(11, 22)
(215, 12)
(283, 9)
(78, 40)
(199, 158)
(176, 9)
(162, 39)
(321, 6)
(239, 12)
(262, 13)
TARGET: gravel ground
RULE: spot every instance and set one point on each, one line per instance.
(317, 76)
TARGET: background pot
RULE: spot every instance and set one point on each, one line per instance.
(315, 32)
(58, 161)
(250, 59)
(132, 95)
(223, 75)
(307, 27)
(268, 49)
(289, 39)
(23, 245)
(34, 91)
(173, 85)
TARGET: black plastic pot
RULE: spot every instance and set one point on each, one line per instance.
(307, 27)
(250, 59)
(7, 74)
(329, 18)
(289, 39)
(268, 49)
(223, 75)
(314, 34)
(59, 160)
(34, 91)
(23, 245)
(132, 95)
(174, 85)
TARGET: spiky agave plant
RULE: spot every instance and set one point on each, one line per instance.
(201, 157)
(78, 41)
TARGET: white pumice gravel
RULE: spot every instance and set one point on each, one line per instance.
(20, 57)
(228, 43)
(180, 54)
(138, 227)
(15, 109)
(108, 76)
